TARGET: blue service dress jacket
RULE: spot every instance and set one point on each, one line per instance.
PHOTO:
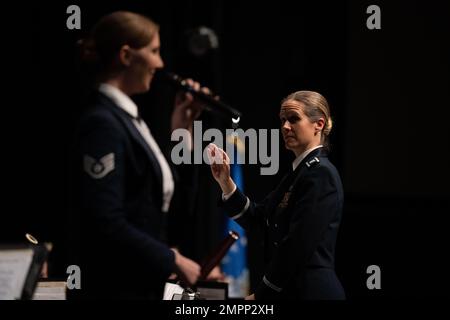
(301, 219)
(121, 241)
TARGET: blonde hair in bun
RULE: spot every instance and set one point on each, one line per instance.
(315, 107)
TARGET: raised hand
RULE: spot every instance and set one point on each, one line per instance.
(220, 168)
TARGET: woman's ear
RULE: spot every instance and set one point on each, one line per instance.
(125, 55)
(319, 124)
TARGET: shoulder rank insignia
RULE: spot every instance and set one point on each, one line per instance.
(313, 161)
(97, 169)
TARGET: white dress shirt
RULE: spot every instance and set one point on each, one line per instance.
(124, 102)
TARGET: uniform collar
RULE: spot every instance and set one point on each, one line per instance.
(123, 101)
(302, 156)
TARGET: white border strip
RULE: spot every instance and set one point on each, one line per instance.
(247, 204)
(271, 285)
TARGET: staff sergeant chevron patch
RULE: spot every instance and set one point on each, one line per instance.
(98, 169)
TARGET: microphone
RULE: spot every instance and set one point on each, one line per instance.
(212, 105)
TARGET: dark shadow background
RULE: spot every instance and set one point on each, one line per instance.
(388, 90)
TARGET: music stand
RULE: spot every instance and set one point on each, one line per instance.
(20, 268)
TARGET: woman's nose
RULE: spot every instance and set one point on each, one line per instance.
(286, 126)
(160, 63)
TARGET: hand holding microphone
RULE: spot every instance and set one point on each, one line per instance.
(210, 102)
(187, 109)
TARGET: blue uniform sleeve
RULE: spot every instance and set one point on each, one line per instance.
(246, 212)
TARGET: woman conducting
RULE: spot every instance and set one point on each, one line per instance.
(301, 216)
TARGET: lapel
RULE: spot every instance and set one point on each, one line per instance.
(297, 175)
(126, 120)
(302, 166)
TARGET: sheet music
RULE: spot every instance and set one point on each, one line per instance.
(50, 290)
(170, 289)
(14, 267)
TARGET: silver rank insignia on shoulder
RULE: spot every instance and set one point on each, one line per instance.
(313, 161)
(97, 169)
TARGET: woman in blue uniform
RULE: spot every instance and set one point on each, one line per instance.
(301, 216)
(125, 187)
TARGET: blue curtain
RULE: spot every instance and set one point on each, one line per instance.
(234, 264)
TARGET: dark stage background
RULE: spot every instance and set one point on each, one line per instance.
(388, 89)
